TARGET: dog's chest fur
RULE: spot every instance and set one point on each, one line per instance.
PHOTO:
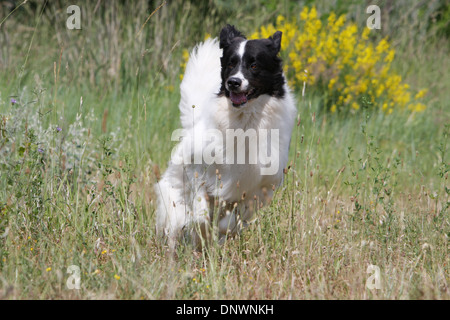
(237, 180)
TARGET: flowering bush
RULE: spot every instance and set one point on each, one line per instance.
(333, 56)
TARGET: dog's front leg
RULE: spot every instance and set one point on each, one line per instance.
(173, 206)
(200, 220)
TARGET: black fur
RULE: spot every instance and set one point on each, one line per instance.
(228, 35)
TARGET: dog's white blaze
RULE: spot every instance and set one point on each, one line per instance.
(241, 49)
(239, 74)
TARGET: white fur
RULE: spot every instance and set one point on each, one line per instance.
(185, 191)
(201, 82)
(239, 75)
(242, 48)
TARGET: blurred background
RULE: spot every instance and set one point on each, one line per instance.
(121, 59)
(86, 118)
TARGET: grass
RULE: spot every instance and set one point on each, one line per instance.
(364, 189)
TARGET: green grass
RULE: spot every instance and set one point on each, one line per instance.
(364, 189)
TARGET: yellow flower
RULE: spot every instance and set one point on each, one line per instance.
(304, 14)
(331, 83)
(347, 99)
(48, 269)
(313, 13)
(340, 21)
(390, 56)
(342, 56)
(421, 94)
(117, 277)
(331, 19)
(362, 86)
(312, 59)
(418, 107)
(280, 20)
(379, 90)
(382, 46)
(185, 55)
(267, 32)
(254, 35)
(365, 34)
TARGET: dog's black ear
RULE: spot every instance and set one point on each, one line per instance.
(227, 34)
(276, 41)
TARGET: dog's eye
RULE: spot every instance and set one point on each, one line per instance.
(253, 66)
(230, 66)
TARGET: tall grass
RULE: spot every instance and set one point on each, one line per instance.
(89, 135)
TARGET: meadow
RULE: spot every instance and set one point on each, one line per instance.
(86, 118)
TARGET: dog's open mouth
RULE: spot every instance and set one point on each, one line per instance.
(240, 98)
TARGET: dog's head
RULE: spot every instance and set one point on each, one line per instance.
(250, 68)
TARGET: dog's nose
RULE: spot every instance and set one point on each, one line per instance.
(234, 83)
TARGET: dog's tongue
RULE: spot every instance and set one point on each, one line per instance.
(238, 98)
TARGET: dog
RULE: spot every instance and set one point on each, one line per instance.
(234, 88)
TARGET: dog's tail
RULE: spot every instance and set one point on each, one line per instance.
(201, 81)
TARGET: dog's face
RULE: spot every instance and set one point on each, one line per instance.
(250, 68)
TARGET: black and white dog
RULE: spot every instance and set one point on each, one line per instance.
(237, 114)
